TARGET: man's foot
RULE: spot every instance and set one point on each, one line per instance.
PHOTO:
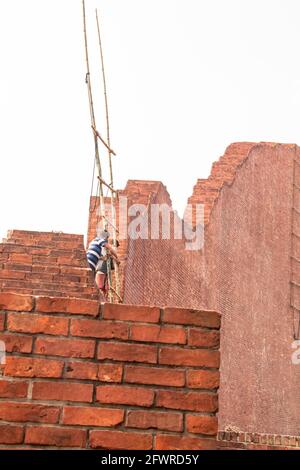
(104, 294)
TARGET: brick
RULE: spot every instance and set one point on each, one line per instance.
(23, 412)
(189, 357)
(7, 248)
(30, 323)
(20, 258)
(154, 420)
(41, 269)
(18, 267)
(2, 321)
(175, 442)
(120, 440)
(8, 274)
(66, 278)
(203, 339)
(31, 367)
(92, 416)
(198, 424)
(30, 234)
(65, 347)
(20, 290)
(58, 437)
(232, 445)
(158, 334)
(13, 389)
(11, 434)
(47, 260)
(121, 394)
(74, 270)
(66, 305)
(99, 329)
(16, 302)
(183, 316)
(81, 370)
(277, 440)
(65, 260)
(110, 372)
(16, 284)
(194, 401)
(127, 352)
(203, 379)
(134, 313)
(17, 343)
(41, 277)
(65, 250)
(155, 376)
(62, 391)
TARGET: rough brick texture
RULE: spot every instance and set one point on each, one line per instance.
(75, 382)
(44, 263)
(234, 440)
(248, 270)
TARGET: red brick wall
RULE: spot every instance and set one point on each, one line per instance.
(136, 192)
(229, 440)
(45, 263)
(245, 272)
(81, 375)
(247, 250)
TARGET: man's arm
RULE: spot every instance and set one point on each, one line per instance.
(112, 251)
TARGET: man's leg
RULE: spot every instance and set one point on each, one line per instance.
(100, 280)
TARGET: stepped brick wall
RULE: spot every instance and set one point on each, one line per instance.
(45, 263)
(248, 269)
(83, 375)
(206, 191)
(136, 192)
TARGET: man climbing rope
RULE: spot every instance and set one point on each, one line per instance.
(99, 254)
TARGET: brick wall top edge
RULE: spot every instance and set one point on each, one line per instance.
(224, 171)
(36, 233)
(16, 302)
(135, 190)
(20, 302)
(143, 182)
(163, 307)
(242, 147)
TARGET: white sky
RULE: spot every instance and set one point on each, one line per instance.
(185, 77)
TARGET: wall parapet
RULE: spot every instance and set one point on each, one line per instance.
(80, 374)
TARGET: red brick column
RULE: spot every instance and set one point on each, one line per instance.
(81, 375)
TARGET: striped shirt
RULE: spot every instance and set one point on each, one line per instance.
(95, 250)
